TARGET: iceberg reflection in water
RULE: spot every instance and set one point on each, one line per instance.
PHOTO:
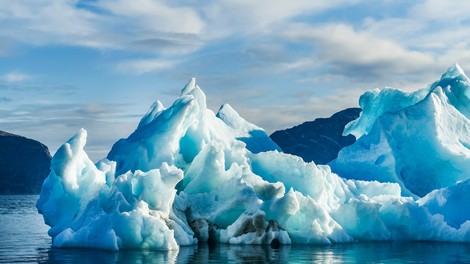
(422, 252)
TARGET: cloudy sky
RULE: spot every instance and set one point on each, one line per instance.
(99, 64)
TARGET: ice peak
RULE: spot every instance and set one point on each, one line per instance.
(453, 72)
(227, 110)
(152, 113)
(189, 86)
(230, 117)
(374, 103)
(456, 87)
(193, 90)
(78, 141)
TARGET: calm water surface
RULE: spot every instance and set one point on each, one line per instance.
(23, 238)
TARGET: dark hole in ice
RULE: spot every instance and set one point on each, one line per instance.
(212, 240)
(275, 243)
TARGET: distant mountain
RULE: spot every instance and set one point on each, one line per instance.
(319, 140)
(24, 164)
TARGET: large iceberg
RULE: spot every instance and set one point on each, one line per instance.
(189, 175)
(419, 140)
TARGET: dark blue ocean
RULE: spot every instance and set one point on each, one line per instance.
(23, 238)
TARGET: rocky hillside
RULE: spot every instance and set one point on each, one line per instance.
(319, 140)
(24, 164)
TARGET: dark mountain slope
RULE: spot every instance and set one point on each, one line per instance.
(319, 140)
(24, 164)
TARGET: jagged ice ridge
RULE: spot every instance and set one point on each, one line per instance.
(188, 175)
(420, 140)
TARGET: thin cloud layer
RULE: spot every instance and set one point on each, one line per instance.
(54, 123)
(358, 54)
(16, 77)
(142, 66)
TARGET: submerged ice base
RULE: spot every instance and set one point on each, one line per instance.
(188, 175)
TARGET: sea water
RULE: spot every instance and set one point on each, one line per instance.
(23, 238)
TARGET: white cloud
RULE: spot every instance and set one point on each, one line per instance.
(449, 11)
(144, 66)
(140, 25)
(146, 25)
(15, 77)
(153, 16)
(351, 52)
(45, 22)
(265, 16)
(301, 64)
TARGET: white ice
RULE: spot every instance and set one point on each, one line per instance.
(188, 175)
(422, 144)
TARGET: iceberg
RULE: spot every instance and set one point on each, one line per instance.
(448, 202)
(187, 175)
(419, 140)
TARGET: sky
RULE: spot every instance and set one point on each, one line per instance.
(100, 64)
